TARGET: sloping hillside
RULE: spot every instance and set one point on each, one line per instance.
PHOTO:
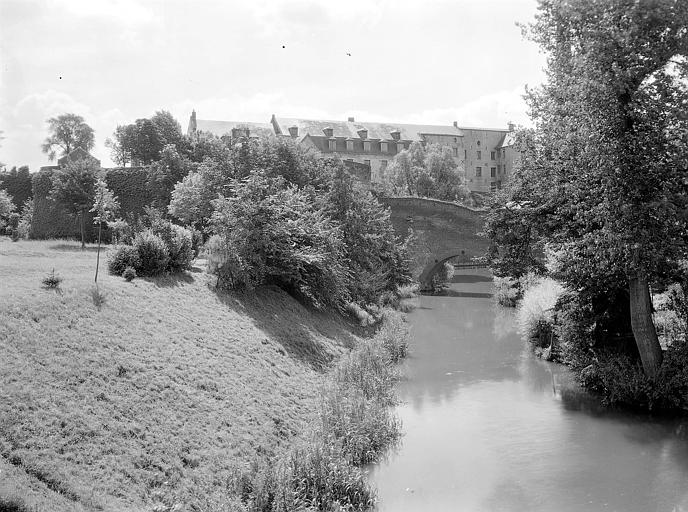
(159, 396)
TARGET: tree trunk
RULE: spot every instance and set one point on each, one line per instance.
(643, 328)
(100, 227)
(83, 236)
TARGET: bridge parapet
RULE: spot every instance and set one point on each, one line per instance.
(442, 230)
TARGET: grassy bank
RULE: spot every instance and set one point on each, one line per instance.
(161, 397)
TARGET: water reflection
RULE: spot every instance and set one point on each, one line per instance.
(489, 427)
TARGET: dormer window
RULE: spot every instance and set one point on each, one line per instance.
(333, 144)
(400, 147)
(383, 147)
(349, 144)
(396, 134)
(363, 133)
(328, 131)
(366, 146)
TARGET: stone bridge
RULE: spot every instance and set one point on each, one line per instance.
(442, 230)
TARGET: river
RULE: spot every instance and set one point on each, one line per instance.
(490, 427)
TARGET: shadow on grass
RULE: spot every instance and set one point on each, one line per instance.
(171, 280)
(299, 329)
(76, 248)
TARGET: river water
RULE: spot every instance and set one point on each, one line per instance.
(489, 427)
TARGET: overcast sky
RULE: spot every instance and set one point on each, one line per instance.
(114, 61)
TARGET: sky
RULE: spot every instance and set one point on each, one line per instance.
(114, 61)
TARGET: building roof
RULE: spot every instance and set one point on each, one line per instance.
(220, 128)
(350, 129)
(77, 154)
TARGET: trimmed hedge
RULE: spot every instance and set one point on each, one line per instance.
(50, 220)
(130, 186)
(17, 183)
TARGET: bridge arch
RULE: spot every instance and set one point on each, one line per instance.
(433, 266)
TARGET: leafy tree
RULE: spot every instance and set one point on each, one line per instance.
(273, 233)
(166, 173)
(167, 127)
(67, 132)
(121, 146)
(105, 207)
(142, 142)
(426, 172)
(377, 261)
(6, 207)
(602, 175)
(73, 186)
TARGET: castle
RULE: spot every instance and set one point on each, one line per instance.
(487, 155)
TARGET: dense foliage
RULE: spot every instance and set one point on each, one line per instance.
(280, 215)
(17, 183)
(426, 172)
(73, 187)
(142, 142)
(602, 175)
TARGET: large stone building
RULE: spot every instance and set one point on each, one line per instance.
(486, 154)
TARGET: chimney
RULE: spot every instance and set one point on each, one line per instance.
(351, 119)
(328, 131)
(396, 134)
(294, 131)
(456, 124)
(511, 126)
(363, 133)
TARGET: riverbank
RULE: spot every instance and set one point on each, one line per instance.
(160, 396)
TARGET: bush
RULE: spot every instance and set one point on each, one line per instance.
(129, 274)
(535, 315)
(123, 257)
(408, 291)
(24, 226)
(196, 240)
(52, 281)
(506, 291)
(179, 244)
(153, 253)
(621, 380)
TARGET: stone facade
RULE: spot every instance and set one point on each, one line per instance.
(485, 154)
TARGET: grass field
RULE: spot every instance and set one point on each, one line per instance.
(155, 398)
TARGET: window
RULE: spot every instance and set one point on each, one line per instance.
(493, 186)
(480, 155)
(503, 153)
(383, 164)
(366, 146)
(456, 151)
(493, 172)
(383, 147)
(478, 172)
(349, 145)
(465, 153)
(478, 143)
(493, 155)
(333, 145)
(400, 147)
(367, 162)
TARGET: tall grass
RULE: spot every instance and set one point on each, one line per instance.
(354, 426)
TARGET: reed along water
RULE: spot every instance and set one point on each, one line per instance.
(490, 427)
